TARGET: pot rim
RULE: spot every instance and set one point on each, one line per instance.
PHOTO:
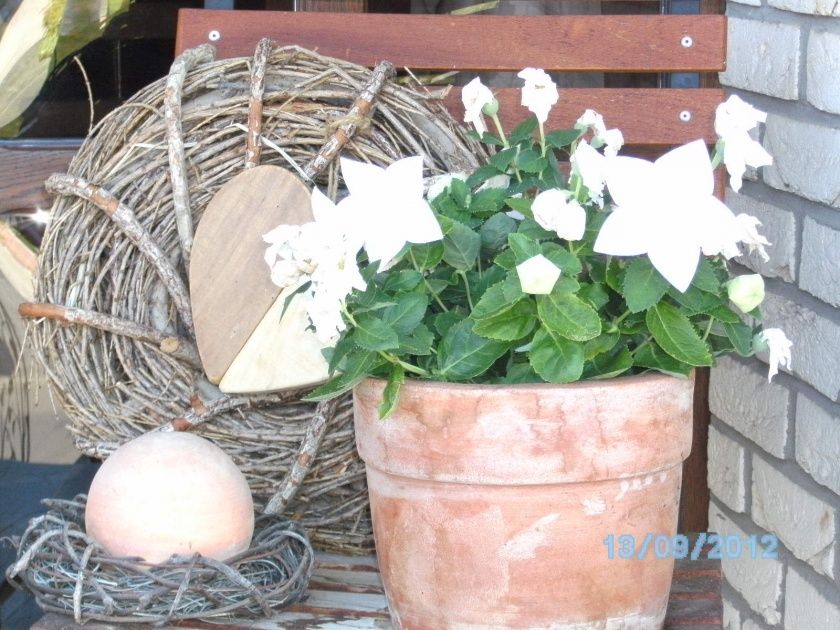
(631, 379)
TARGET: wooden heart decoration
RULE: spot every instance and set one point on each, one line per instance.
(230, 284)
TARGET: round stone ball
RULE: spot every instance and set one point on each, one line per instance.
(170, 493)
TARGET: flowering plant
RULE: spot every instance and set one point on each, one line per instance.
(519, 272)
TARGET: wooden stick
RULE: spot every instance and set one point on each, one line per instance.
(175, 140)
(306, 456)
(125, 219)
(176, 346)
(193, 417)
(255, 102)
(358, 114)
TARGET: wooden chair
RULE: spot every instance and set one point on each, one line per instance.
(652, 121)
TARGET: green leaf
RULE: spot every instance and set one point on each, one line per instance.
(595, 294)
(403, 280)
(481, 175)
(602, 343)
(503, 159)
(487, 202)
(613, 276)
(341, 350)
(653, 357)
(498, 297)
(725, 315)
(554, 358)
(359, 365)
(461, 246)
(460, 192)
(741, 337)
(521, 373)
(524, 130)
(506, 260)
(569, 263)
(695, 300)
(407, 313)
(427, 255)
(419, 342)
(442, 322)
(530, 228)
(495, 231)
(490, 139)
(464, 355)
(568, 316)
(391, 393)
(608, 365)
(562, 138)
(643, 285)
(705, 277)
(520, 204)
(675, 335)
(530, 161)
(510, 324)
(523, 247)
(371, 333)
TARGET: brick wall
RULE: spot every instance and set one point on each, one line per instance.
(774, 450)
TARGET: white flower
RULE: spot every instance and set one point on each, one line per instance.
(746, 292)
(611, 139)
(665, 209)
(774, 340)
(475, 95)
(537, 275)
(733, 121)
(591, 167)
(748, 234)
(554, 212)
(323, 253)
(539, 93)
(388, 206)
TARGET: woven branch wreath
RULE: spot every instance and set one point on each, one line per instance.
(113, 324)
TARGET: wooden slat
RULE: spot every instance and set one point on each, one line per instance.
(646, 117)
(347, 592)
(583, 43)
(23, 172)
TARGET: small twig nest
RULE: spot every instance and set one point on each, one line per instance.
(69, 573)
(114, 327)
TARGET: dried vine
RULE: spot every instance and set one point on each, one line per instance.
(113, 326)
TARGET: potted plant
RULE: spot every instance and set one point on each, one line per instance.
(521, 342)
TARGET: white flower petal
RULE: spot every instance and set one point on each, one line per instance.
(627, 178)
(537, 275)
(779, 347)
(676, 259)
(419, 222)
(475, 95)
(361, 178)
(405, 177)
(687, 170)
(623, 234)
(539, 94)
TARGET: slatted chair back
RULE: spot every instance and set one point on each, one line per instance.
(650, 118)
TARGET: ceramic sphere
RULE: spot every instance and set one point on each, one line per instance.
(170, 493)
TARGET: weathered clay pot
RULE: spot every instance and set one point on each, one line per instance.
(491, 504)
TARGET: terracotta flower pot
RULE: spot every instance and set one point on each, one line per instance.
(491, 504)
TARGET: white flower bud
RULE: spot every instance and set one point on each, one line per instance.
(746, 292)
(538, 275)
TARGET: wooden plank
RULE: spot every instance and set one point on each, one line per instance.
(335, 6)
(23, 172)
(583, 43)
(645, 116)
(346, 592)
(18, 262)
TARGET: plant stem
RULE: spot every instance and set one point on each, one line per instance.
(408, 367)
(426, 282)
(641, 345)
(463, 275)
(542, 138)
(500, 130)
(709, 327)
(621, 318)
